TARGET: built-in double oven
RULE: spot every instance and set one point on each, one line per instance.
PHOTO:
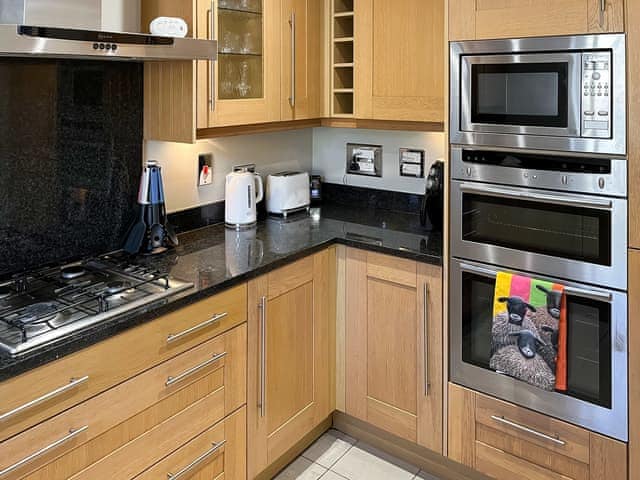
(557, 217)
(539, 188)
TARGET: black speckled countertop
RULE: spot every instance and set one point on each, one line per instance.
(214, 258)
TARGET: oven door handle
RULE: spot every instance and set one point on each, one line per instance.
(601, 204)
(597, 295)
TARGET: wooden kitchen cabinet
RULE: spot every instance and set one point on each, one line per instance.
(301, 85)
(288, 358)
(394, 346)
(254, 77)
(128, 428)
(504, 441)
(487, 19)
(399, 60)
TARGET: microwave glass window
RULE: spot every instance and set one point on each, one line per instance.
(531, 94)
(567, 232)
(589, 375)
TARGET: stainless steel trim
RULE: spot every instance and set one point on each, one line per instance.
(533, 196)
(524, 428)
(292, 24)
(215, 447)
(616, 43)
(263, 356)
(73, 383)
(597, 295)
(72, 434)
(425, 299)
(187, 373)
(612, 421)
(212, 68)
(613, 275)
(615, 183)
(15, 45)
(174, 337)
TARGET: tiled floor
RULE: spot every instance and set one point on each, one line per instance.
(336, 456)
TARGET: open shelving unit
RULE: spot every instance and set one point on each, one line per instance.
(342, 61)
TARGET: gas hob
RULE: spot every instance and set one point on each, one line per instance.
(44, 306)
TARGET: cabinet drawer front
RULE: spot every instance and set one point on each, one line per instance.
(213, 373)
(64, 383)
(502, 466)
(392, 269)
(546, 432)
(221, 450)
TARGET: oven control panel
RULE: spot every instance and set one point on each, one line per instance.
(596, 95)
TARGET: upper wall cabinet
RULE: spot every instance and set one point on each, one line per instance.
(268, 67)
(398, 59)
(485, 19)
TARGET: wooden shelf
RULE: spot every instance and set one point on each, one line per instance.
(343, 14)
(343, 40)
(343, 90)
(349, 121)
(343, 65)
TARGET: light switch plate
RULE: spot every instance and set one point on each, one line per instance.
(205, 169)
(412, 163)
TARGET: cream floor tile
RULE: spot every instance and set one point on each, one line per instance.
(329, 448)
(363, 462)
(302, 469)
(422, 475)
(332, 476)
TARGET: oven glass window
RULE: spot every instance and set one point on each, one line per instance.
(567, 232)
(531, 94)
(588, 338)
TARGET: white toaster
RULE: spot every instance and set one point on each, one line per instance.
(287, 192)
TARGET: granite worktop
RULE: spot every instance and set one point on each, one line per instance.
(215, 258)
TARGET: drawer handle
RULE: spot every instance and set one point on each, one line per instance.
(70, 436)
(177, 336)
(197, 461)
(427, 384)
(531, 431)
(178, 378)
(73, 383)
(263, 356)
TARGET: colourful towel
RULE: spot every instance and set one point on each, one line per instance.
(529, 332)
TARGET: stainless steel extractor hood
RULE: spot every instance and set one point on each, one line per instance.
(74, 29)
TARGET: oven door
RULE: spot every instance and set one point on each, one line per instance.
(579, 237)
(529, 94)
(597, 351)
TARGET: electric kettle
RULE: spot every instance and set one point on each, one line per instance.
(243, 191)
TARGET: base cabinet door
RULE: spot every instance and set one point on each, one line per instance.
(288, 389)
(394, 346)
(504, 442)
(487, 19)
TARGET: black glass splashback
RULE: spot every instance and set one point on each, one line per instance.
(70, 158)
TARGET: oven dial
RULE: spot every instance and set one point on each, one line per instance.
(596, 75)
(565, 180)
(601, 183)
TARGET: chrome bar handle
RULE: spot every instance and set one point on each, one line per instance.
(178, 378)
(292, 24)
(212, 65)
(598, 296)
(603, 9)
(601, 204)
(35, 455)
(177, 336)
(197, 461)
(73, 383)
(529, 430)
(263, 356)
(426, 339)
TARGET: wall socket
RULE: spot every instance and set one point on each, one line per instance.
(364, 160)
(205, 169)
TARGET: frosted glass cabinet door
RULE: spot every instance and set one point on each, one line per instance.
(242, 87)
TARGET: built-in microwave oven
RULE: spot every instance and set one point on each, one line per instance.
(551, 93)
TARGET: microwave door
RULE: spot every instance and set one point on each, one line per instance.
(526, 94)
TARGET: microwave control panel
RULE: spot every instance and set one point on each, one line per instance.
(596, 95)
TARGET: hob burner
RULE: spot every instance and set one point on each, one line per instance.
(75, 271)
(43, 311)
(117, 286)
